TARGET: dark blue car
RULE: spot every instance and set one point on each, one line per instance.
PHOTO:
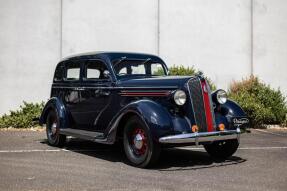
(110, 97)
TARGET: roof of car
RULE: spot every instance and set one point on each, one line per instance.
(112, 56)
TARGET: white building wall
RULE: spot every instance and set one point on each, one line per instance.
(214, 36)
(29, 50)
(270, 42)
(97, 25)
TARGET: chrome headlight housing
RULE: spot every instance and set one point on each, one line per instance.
(179, 97)
(221, 96)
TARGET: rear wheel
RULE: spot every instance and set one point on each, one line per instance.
(140, 149)
(222, 149)
(52, 129)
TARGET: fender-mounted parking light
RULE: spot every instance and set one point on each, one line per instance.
(221, 127)
(194, 128)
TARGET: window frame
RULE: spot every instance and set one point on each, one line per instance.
(66, 64)
(85, 66)
(62, 66)
(165, 69)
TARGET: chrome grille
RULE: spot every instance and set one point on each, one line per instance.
(197, 102)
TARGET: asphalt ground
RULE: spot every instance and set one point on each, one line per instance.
(28, 163)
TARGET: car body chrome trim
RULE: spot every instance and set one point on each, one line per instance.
(120, 88)
(202, 137)
(146, 93)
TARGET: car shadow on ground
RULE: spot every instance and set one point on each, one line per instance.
(172, 159)
(177, 159)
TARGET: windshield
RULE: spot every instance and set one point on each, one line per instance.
(138, 68)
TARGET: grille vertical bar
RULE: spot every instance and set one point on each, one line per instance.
(211, 107)
(196, 97)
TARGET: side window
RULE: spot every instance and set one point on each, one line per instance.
(93, 73)
(139, 69)
(156, 69)
(94, 70)
(73, 71)
(59, 72)
(123, 71)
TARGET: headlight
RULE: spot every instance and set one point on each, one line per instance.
(179, 97)
(221, 96)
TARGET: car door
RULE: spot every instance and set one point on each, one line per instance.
(95, 97)
(71, 97)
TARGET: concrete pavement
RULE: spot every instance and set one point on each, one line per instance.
(28, 163)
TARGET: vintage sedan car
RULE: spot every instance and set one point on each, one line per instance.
(110, 97)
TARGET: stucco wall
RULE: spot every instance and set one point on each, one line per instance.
(270, 42)
(29, 50)
(226, 39)
(124, 25)
(213, 36)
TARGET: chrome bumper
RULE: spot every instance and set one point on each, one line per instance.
(201, 137)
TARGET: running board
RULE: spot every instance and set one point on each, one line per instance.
(83, 134)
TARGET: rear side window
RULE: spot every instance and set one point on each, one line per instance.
(73, 71)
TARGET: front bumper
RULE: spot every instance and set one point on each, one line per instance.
(201, 137)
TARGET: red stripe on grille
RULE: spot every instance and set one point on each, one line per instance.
(207, 106)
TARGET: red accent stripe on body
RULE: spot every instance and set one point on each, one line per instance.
(207, 106)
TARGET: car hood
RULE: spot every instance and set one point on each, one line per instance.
(169, 82)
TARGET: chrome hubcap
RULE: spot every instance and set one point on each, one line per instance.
(138, 141)
(54, 128)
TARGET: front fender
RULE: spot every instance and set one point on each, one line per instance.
(154, 115)
(230, 110)
(56, 104)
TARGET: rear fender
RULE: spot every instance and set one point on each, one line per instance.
(57, 105)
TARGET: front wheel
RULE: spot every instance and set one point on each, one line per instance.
(222, 149)
(52, 129)
(140, 149)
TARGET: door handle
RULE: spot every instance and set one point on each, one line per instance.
(105, 92)
(102, 92)
(80, 89)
